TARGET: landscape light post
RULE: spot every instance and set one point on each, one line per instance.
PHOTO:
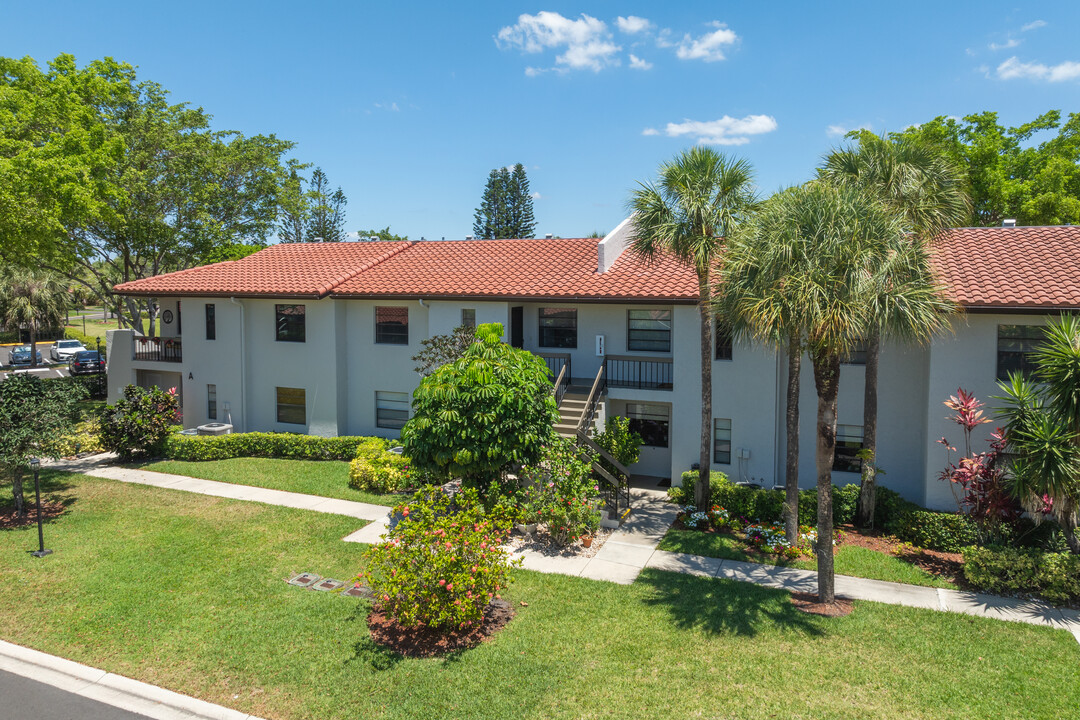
(41, 551)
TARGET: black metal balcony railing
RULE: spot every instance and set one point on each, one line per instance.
(158, 349)
(555, 363)
(627, 371)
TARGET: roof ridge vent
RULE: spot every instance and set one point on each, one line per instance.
(1008, 222)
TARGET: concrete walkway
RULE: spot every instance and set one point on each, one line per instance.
(627, 551)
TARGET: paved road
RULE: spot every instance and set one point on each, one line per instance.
(25, 699)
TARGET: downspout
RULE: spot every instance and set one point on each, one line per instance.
(243, 363)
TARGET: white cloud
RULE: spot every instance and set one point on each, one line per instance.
(1010, 43)
(586, 42)
(725, 131)
(393, 107)
(709, 47)
(639, 64)
(841, 130)
(1012, 69)
(631, 25)
(1034, 25)
(536, 196)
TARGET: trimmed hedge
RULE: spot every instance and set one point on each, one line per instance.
(89, 341)
(97, 385)
(1054, 576)
(946, 532)
(257, 444)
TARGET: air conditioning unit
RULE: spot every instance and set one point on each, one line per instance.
(214, 429)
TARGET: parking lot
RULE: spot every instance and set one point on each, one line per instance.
(48, 367)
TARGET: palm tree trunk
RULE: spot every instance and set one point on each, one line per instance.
(701, 490)
(791, 470)
(1068, 524)
(868, 481)
(827, 381)
(33, 344)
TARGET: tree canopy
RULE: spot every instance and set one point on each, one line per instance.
(506, 207)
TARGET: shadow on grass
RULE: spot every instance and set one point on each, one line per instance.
(55, 500)
(723, 606)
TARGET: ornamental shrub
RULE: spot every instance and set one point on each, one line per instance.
(561, 492)
(1054, 576)
(84, 438)
(767, 505)
(945, 532)
(442, 563)
(289, 446)
(139, 423)
(619, 441)
(376, 469)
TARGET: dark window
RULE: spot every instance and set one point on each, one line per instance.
(857, 354)
(648, 330)
(391, 409)
(211, 402)
(650, 422)
(558, 327)
(849, 441)
(724, 342)
(392, 325)
(291, 406)
(722, 441)
(468, 317)
(1015, 348)
(211, 322)
(290, 323)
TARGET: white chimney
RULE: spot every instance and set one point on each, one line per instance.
(611, 247)
(548, 236)
(1008, 222)
(469, 237)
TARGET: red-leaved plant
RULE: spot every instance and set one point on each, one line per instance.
(976, 479)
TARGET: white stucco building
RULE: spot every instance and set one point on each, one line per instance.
(318, 338)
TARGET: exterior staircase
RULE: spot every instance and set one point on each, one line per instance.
(571, 410)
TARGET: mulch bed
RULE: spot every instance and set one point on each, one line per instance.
(49, 511)
(947, 566)
(422, 641)
(808, 603)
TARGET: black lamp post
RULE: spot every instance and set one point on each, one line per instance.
(41, 551)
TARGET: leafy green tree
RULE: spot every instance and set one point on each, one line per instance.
(231, 251)
(1007, 173)
(619, 441)
(698, 200)
(439, 350)
(482, 414)
(1042, 428)
(35, 415)
(35, 300)
(831, 248)
(384, 235)
(506, 207)
(917, 182)
(295, 210)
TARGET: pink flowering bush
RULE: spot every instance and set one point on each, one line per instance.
(562, 493)
(442, 563)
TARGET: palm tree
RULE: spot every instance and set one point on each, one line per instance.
(815, 257)
(917, 182)
(32, 299)
(761, 306)
(1043, 428)
(698, 199)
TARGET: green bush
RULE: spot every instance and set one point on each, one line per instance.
(96, 386)
(442, 563)
(85, 438)
(1054, 576)
(89, 341)
(561, 492)
(946, 532)
(138, 424)
(767, 504)
(257, 444)
(376, 469)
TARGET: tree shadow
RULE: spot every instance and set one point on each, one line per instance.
(723, 606)
(56, 500)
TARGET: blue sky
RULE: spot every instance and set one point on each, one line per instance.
(408, 106)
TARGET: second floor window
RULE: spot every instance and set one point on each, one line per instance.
(392, 325)
(211, 322)
(558, 327)
(1016, 344)
(290, 323)
(648, 330)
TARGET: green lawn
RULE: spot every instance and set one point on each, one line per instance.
(850, 559)
(186, 591)
(328, 478)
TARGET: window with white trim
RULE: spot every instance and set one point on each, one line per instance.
(722, 441)
(391, 409)
(648, 330)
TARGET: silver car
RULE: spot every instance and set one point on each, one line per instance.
(64, 350)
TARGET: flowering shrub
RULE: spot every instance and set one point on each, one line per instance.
(139, 422)
(376, 469)
(569, 519)
(765, 536)
(442, 563)
(562, 493)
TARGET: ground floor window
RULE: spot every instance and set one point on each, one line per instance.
(651, 422)
(391, 409)
(722, 441)
(1016, 345)
(211, 402)
(849, 441)
(292, 406)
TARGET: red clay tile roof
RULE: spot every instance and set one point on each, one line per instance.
(1023, 267)
(286, 270)
(534, 269)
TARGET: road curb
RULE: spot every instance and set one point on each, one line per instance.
(109, 688)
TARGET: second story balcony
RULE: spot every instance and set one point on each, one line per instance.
(630, 371)
(158, 349)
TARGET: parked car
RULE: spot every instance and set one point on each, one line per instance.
(64, 350)
(88, 361)
(21, 355)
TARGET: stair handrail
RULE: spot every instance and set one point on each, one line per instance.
(558, 390)
(591, 444)
(589, 414)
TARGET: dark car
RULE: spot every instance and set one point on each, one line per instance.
(88, 361)
(21, 355)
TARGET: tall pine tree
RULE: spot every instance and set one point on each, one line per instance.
(327, 222)
(506, 207)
